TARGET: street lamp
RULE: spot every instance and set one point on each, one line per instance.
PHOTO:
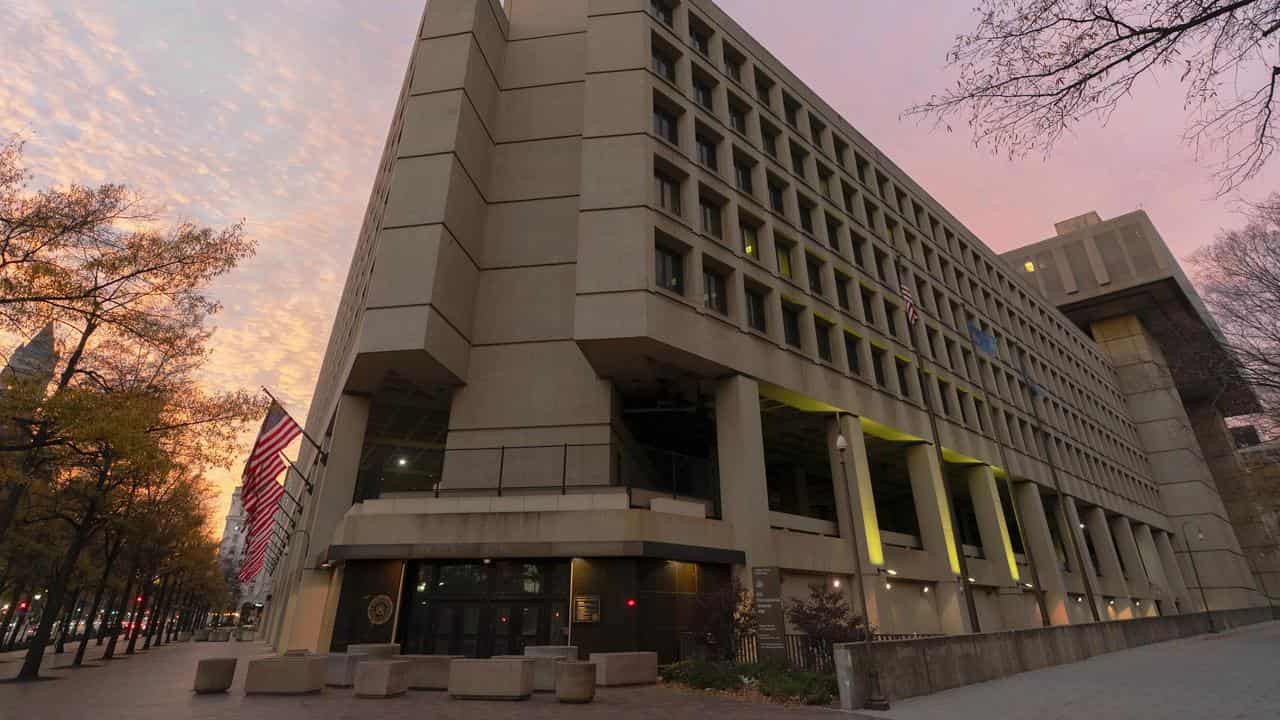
(1186, 539)
(875, 698)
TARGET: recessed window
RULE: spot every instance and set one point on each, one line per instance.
(755, 310)
(944, 390)
(833, 233)
(663, 11)
(750, 240)
(901, 366)
(713, 291)
(878, 357)
(891, 317)
(814, 268)
(669, 269)
(822, 333)
(702, 93)
(706, 151)
(842, 290)
(791, 110)
(732, 64)
(710, 214)
(791, 324)
(798, 156)
(664, 63)
(851, 343)
(783, 250)
(742, 175)
(763, 86)
(769, 137)
(776, 196)
(667, 189)
(868, 305)
(664, 125)
(700, 39)
(806, 215)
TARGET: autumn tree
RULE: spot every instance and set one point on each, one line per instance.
(826, 616)
(1032, 70)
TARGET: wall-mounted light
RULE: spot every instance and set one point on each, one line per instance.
(835, 583)
(1029, 266)
(926, 589)
(888, 586)
(972, 580)
(1028, 586)
(402, 462)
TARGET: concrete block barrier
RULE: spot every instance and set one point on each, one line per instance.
(625, 668)
(214, 675)
(428, 672)
(568, 652)
(340, 669)
(575, 681)
(544, 670)
(285, 675)
(374, 650)
(382, 678)
(491, 679)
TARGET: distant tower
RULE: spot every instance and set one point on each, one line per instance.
(34, 360)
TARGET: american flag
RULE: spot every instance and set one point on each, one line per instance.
(264, 464)
(913, 314)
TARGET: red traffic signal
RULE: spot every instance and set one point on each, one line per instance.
(22, 605)
(139, 599)
(631, 602)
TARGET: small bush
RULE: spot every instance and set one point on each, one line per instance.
(773, 680)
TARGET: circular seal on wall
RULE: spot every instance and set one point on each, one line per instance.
(380, 609)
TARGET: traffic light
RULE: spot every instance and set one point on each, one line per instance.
(22, 606)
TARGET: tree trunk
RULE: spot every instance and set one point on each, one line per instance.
(93, 611)
(124, 606)
(109, 612)
(156, 621)
(136, 621)
(68, 622)
(53, 606)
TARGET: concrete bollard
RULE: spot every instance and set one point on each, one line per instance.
(575, 681)
(214, 675)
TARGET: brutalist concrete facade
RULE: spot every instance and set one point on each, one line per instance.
(623, 283)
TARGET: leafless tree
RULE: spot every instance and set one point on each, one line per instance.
(1033, 69)
(1239, 278)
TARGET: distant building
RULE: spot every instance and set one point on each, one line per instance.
(34, 360)
(251, 596)
(622, 284)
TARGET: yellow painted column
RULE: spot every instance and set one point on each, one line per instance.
(996, 545)
(933, 513)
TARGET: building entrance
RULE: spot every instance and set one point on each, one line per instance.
(480, 609)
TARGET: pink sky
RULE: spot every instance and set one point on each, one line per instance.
(274, 111)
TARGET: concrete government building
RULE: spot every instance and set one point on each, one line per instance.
(622, 283)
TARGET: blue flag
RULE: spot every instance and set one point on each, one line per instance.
(985, 342)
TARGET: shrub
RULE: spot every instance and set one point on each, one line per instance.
(773, 680)
(704, 674)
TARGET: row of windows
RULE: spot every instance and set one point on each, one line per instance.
(743, 181)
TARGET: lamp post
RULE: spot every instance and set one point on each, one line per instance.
(875, 697)
(1186, 539)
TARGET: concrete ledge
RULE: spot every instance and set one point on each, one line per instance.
(568, 652)
(214, 675)
(340, 669)
(919, 667)
(382, 678)
(491, 679)
(200, 635)
(544, 669)
(625, 668)
(374, 650)
(428, 672)
(285, 675)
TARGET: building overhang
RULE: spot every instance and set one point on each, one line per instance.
(567, 549)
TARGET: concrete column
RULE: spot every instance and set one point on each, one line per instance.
(744, 494)
(1035, 526)
(1111, 580)
(996, 545)
(937, 536)
(1089, 573)
(1151, 561)
(855, 506)
(1177, 585)
(1127, 548)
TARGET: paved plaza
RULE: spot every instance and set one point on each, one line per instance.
(1233, 675)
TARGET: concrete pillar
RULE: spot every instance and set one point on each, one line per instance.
(1127, 548)
(855, 506)
(1035, 526)
(936, 534)
(1111, 577)
(1089, 573)
(996, 545)
(744, 494)
(1177, 584)
(1151, 561)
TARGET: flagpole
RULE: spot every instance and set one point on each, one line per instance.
(306, 481)
(324, 456)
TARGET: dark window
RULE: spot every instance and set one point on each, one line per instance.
(663, 64)
(806, 217)
(833, 234)
(776, 197)
(710, 213)
(783, 252)
(791, 324)
(755, 310)
(792, 111)
(738, 118)
(877, 365)
(702, 94)
(664, 125)
(669, 269)
(842, 291)
(851, 353)
(713, 292)
(814, 266)
(706, 152)
(770, 139)
(662, 11)
(732, 67)
(868, 305)
(742, 176)
(891, 316)
(901, 366)
(822, 332)
(944, 390)
(798, 157)
(763, 86)
(668, 190)
(700, 40)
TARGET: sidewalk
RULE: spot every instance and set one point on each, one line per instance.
(1232, 675)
